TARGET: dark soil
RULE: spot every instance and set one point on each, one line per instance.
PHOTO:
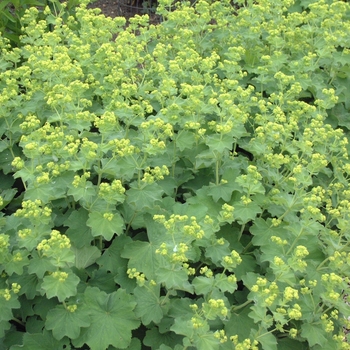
(127, 8)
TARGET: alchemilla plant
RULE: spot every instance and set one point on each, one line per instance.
(177, 186)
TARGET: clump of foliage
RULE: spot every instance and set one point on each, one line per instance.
(11, 12)
(182, 186)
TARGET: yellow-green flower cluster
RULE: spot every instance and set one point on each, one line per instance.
(108, 216)
(158, 127)
(4, 242)
(340, 261)
(30, 123)
(194, 229)
(268, 291)
(215, 308)
(172, 222)
(24, 233)
(222, 128)
(72, 308)
(16, 257)
(106, 122)
(6, 293)
(197, 322)
(58, 169)
(72, 145)
(206, 271)
(155, 133)
(54, 244)
(155, 174)
(231, 261)
(122, 147)
(33, 209)
(47, 140)
(251, 182)
(221, 336)
(61, 276)
(246, 344)
(177, 254)
(227, 212)
(15, 288)
(111, 192)
(297, 261)
(307, 289)
(279, 241)
(18, 163)
(327, 322)
(190, 270)
(334, 285)
(294, 312)
(289, 294)
(80, 181)
(140, 277)
(88, 149)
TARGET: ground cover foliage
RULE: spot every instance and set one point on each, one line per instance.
(179, 186)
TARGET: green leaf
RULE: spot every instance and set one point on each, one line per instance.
(112, 319)
(57, 285)
(222, 190)
(6, 307)
(222, 282)
(7, 195)
(16, 265)
(40, 265)
(157, 340)
(174, 278)
(63, 323)
(207, 341)
(291, 344)
(203, 285)
(312, 334)
(240, 324)
(86, 256)
(148, 304)
(248, 264)
(46, 192)
(84, 192)
(185, 140)
(78, 232)
(182, 326)
(142, 256)
(219, 143)
(111, 259)
(134, 345)
(263, 230)
(103, 280)
(144, 197)
(268, 341)
(41, 341)
(28, 283)
(244, 213)
(217, 251)
(104, 225)
(204, 199)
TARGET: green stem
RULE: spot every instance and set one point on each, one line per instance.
(295, 242)
(242, 305)
(217, 172)
(325, 260)
(129, 224)
(18, 321)
(241, 232)
(247, 247)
